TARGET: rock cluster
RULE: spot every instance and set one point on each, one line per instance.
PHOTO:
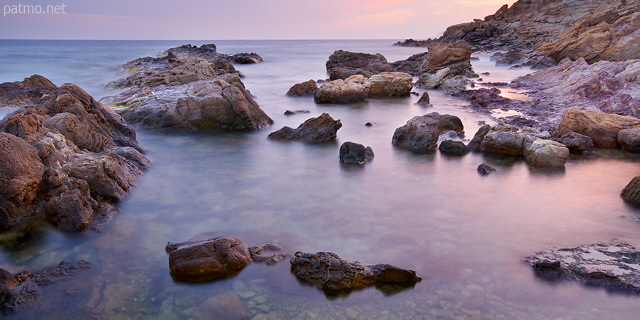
(216, 258)
(613, 266)
(314, 130)
(190, 89)
(62, 155)
(334, 275)
(420, 134)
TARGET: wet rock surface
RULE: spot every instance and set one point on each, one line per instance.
(485, 169)
(314, 130)
(306, 88)
(355, 153)
(453, 147)
(613, 265)
(62, 157)
(631, 192)
(343, 64)
(17, 291)
(190, 89)
(334, 275)
(420, 134)
(350, 90)
(216, 258)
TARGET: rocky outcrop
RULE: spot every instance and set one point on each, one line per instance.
(315, 130)
(343, 64)
(306, 88)
(190, 89)
(389, 84)
(62, 157)
(20, 289)
(453, 147)
(447, 66)
(26, 92)
(631, 192)
(334, 275)
(601, 127)
(420, 134)
(350, 90)
(216, 258)
(612, 265)
(355, 153)
(546, 153)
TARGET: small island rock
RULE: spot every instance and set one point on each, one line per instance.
(355, 153)
(315, 130)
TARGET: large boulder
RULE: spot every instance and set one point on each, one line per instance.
(443, 54)
(350, 90)
(216, 258)
(63, 155)
(446, 66)
(355, 153)
(577, 143)
(503, 142)
(343, 64)
(603, 128)
(306, 88)
(191, 89)
(631, 192)
(26, 92)
(546, 153)
(319, 129)
(389, 84)
(332, 274)
(629, 139)
(420, 134)
(611, 265)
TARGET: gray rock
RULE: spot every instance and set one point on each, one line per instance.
(474, 144)
(355, 153)
(424, 100)
(546, 153)
(420, 134)
(629, 139)
(315, 130)
(576, 142)
(343, 64)
(502, 142)
(453, 147)
(485, 169)
(332, 274)
(612, 265)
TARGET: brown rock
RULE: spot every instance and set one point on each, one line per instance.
(389, 84)
(442, 54)
(343, 64)
(420, 134)
(631, 193)
(320, 129)
(350, 90)
(306, 88)
(629, 139)
(603, 128)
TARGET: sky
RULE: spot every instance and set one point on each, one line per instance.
(236, 19)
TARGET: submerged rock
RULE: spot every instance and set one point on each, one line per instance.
(18, 290)
(355, 153)
(343, 64)
(485, 169)
(334, 275)
(420, 134)
(320, 129)
(613, 266)
(215, 258)
(61, 157)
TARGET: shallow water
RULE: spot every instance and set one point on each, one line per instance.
(465, 234)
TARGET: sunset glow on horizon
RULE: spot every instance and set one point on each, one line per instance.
(241, 19)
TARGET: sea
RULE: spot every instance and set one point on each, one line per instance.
(464, 233)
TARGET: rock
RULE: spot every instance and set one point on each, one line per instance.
(446, 66)
(214, 258)
(332, 274)
(442, 54)
(424, 100)
(225, 305)
(306, 88)
(612, 265)
(577, 143)
(292, 112)
(546, 153)
(320, 129)
(602, 128)
(631, 192)
(246, 58)
(453, 147)
(389, 84)
(629, 139)
(412, 64)
(503, 142)
(420, 134)
(351, 90)
(26, 92)
(485, 169)
(343, 64)
(18, 290)
(355, 153)
(474, 144)
(484, 99)
(190, 90)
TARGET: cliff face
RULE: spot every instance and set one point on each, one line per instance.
(591, 29)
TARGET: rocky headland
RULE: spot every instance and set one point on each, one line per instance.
(188, 89)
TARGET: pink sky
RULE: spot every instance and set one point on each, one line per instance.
(240, 19)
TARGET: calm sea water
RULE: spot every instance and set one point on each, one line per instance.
(465, 234)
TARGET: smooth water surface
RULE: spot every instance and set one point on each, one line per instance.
(464, 233)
